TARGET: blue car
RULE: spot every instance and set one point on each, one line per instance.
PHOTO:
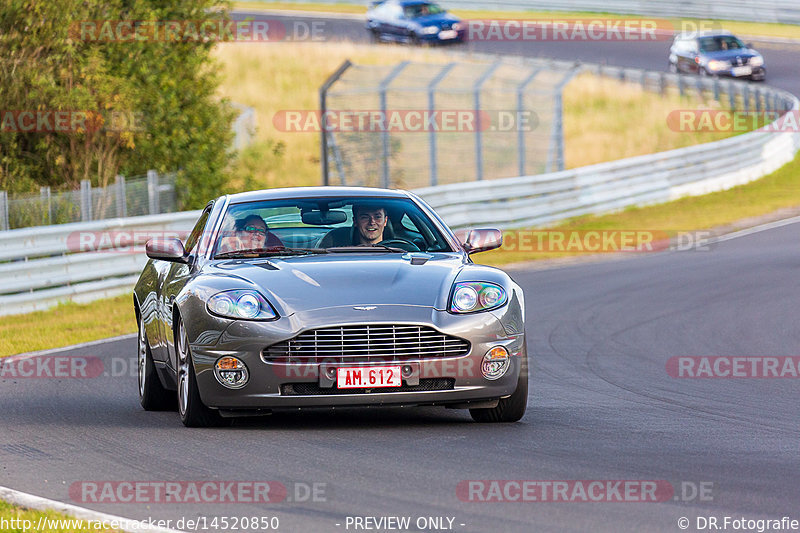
(716, 54)
(413, 21)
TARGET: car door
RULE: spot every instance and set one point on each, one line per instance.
(396, 23)
(689, 55)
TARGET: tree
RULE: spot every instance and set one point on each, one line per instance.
(131, 104)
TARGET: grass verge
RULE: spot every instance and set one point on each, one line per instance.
(67, 324)
(50, 521)
(764, 29)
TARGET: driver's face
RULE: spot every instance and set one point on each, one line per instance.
(370, 224)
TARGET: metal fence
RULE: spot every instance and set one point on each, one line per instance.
(428, 124)
(135, 196)
(784, 11)
(515, 104)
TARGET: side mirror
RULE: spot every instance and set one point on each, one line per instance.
(166, 250)
(480, 240)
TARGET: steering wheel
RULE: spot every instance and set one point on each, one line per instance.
(408, 246)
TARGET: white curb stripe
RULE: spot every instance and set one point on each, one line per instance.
(29, 501)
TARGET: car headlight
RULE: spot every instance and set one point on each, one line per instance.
(472, 296)
(241, 305)
(429, 30)
(756, 61)
(716, 64)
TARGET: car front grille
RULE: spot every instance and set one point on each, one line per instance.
(313, 389)
(385, 342)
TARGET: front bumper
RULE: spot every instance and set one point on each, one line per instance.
(756, 73)
(281, 384)
(444, 37)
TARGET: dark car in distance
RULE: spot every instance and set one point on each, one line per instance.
(414, 22)
(715, 54)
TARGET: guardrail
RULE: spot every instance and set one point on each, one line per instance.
(44, 265)
(784, 11)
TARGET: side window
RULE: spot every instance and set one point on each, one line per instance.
(197, 231)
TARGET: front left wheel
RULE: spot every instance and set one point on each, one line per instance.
(193, 411)
(509, 409)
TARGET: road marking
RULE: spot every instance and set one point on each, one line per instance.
(755, 229)
(29, 501)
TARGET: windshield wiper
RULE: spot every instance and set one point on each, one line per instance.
(269, 251)
(365, 248)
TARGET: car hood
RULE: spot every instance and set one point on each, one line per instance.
(728, 55)
(304, 283)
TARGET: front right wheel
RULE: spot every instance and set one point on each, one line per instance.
(509, 409)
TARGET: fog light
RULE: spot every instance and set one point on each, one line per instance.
(231, 372)
(495, 363)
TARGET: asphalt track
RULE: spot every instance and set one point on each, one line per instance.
(602, 405)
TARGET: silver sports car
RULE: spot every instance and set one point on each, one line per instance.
(321, 297)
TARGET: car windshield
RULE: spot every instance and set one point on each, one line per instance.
(327, 225)
(413, 11)
(719, 43)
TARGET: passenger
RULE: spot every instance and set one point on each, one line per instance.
(249, 233)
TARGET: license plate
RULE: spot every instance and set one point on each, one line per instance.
(742, 71)
(368, 377)
(448, 34)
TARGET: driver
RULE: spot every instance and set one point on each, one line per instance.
(370, 221)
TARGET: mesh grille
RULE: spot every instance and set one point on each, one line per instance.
(313, 389)
(384, 341)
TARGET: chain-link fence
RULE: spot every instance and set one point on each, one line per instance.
(134, 196)
(418, 124)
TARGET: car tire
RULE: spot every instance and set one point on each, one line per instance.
(192, 410)
(152, 394)
(374, 36)
(415, 40)
(509, 409)
(673, 67)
